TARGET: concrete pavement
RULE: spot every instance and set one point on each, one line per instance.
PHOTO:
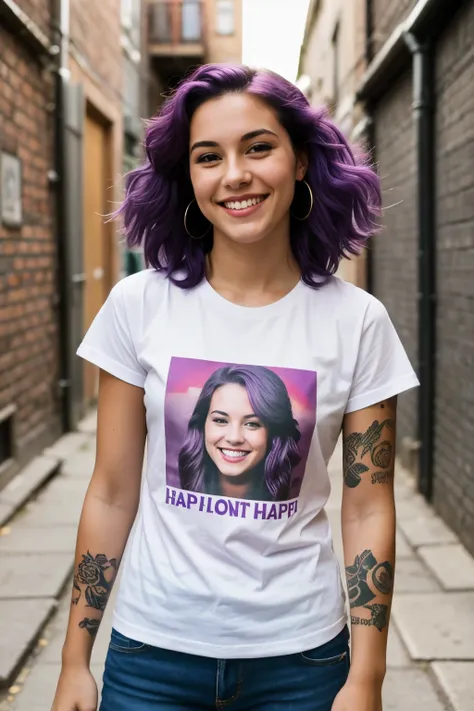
(431, 641)
(431, 644)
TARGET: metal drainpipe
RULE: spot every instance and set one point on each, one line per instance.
(369, 54)
(423, 113)
(61, 77)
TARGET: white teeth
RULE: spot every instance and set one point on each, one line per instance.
(243, 204)
(233, 453)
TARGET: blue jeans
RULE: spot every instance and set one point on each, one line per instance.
(142, 678)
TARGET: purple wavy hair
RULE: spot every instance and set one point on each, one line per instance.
(347, 196)
(269, 398)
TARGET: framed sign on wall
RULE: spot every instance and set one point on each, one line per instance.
(10, 190)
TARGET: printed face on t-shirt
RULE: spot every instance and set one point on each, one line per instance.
(235, 438)
(237, 431)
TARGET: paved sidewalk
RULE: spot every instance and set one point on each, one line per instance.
(431, 647)
(431, 641)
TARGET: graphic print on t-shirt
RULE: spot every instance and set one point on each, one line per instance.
(237, 434)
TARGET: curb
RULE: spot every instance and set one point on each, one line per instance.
(26, 484)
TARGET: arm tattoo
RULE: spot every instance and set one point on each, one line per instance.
(357, 445)
(366, 579)
(382, 477)
(91, 625)
(96, 576)
(378, 619)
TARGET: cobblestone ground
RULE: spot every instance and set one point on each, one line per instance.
(431, 653)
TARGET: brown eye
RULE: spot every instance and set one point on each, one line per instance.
(260, 148)
(208, 158)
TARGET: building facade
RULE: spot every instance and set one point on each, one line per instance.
(333, 59)
(135, 81)
(183, 34)
(72, 83)
(415, 98)
(223, 31)
(30, 399)
(96, 66)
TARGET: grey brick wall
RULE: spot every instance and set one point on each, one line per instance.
(387, 14)
(454, 412)
(395, 249)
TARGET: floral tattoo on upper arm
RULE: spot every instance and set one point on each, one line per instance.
(371, 443)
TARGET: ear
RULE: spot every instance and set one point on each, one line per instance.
(301, 165)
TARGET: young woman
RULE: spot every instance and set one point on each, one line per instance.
(245, 206)
(242, 439)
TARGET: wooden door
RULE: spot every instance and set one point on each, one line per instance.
(96, 232)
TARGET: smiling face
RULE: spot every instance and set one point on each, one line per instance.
(235, 438)
(243, 167)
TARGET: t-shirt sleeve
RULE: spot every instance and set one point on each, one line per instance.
(108, 342)
(382, 368)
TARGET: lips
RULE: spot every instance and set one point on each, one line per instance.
(245, 207)
(243, 203)
(233, 455)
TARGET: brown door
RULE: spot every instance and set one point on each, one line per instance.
(96, 232)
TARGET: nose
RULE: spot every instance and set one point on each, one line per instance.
(234, 434)
(236, 175)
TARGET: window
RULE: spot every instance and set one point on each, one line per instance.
(225, 21)
(191, 21)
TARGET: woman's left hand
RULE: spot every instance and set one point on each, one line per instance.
(358, 696)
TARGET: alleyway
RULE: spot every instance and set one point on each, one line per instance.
(431, 654)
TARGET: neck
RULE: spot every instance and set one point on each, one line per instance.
(252, 274)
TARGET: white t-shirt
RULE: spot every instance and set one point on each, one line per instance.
(231, 554)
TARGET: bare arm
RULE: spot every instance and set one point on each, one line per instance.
(368, 528)
(110, 507)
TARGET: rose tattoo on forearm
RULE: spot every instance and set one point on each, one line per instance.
(94, 578)
(366, 580)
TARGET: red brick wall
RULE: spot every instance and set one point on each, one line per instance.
(28, 321)
(39, 11)
(95, 36)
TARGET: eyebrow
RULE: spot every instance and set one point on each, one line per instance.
(221, 412)
(246, 137)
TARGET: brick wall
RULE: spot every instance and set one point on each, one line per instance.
(387, 14)
(28, 323)
(40, 12)
(454, 412)
(395, 249)
(95, 43)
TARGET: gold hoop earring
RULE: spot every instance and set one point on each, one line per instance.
(186, 226)
(311, 199)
